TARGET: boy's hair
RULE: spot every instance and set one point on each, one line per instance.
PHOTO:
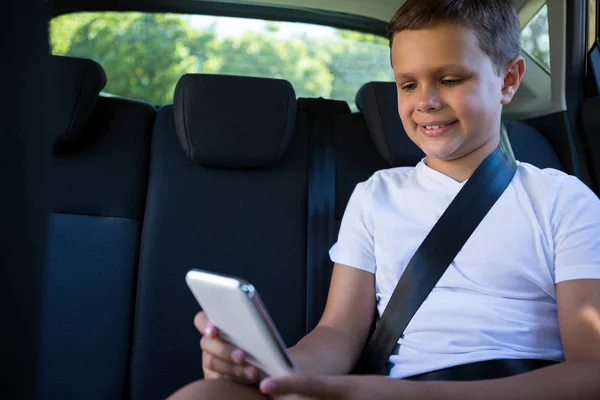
(494, 22)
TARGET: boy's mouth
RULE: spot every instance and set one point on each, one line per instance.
(436, 128)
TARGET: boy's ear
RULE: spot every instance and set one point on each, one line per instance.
(512, 78)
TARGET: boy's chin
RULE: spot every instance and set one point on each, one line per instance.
(453, 150)
(442, 153)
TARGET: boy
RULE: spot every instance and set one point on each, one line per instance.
(526, 289)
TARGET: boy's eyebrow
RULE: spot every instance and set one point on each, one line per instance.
(436, 71)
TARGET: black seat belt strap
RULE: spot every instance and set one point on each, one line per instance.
(435, 254)
(321, 201)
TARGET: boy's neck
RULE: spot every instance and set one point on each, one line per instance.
(462, 168)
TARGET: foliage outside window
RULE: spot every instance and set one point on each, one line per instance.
(145, 54)
(535, 39)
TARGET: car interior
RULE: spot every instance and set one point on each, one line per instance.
(113, 195)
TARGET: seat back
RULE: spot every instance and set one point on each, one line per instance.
(99, 187)
(227, 193)
(531, 146)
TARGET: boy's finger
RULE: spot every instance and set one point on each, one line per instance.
(211, 331)
(223, 350)
(246, 374)
(200, 321)
(204, 326)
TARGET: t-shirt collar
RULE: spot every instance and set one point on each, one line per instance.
(436, 177)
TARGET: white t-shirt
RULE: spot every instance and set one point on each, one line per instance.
(497, 300)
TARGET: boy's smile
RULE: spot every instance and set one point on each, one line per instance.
(436, 128)
(450, 93)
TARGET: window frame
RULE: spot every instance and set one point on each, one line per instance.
(541, 64)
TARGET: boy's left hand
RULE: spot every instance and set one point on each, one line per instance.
(330, 387)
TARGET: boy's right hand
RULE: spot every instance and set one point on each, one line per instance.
(221, 359)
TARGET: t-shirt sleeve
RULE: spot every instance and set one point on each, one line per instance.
(355, 241)
(576, 230)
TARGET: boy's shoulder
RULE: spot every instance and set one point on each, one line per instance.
(553, 188)
(543, 180)
(529, 172)
(546, 182)
(396, 176)
(550, 173)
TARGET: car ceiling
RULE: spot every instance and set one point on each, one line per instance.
(366, 15)
(376, 9)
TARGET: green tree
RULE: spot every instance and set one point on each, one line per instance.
(64, 28)
(144, 55)
(535, 39)
(263, 55)
(361, 37)
(354, 59)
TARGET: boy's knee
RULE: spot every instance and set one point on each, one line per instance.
(213, 389)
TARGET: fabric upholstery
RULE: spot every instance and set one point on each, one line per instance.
(98, 184)
(76, 85)
(245, 223)
(89, 288)
(530, 146)
(356, 156)
(232, 121)
(108, 174)
(378, 101)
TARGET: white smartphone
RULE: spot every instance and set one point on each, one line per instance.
(234, 307)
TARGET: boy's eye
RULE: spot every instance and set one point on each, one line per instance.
(452, 82)
(409, 87)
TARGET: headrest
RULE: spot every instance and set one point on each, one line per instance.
(378, 101)
(77, 82)
(232, 121)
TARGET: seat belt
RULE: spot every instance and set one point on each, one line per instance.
(321, 201)
(505, 142)
(434, 255)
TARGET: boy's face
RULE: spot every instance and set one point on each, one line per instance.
(449, 94)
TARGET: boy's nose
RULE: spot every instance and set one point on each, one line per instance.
(429, 101)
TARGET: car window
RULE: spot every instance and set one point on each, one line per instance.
(144, 54)
(594, 23)
(535, 39)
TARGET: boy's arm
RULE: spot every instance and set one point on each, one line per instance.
(577, 378)
(334, 346)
